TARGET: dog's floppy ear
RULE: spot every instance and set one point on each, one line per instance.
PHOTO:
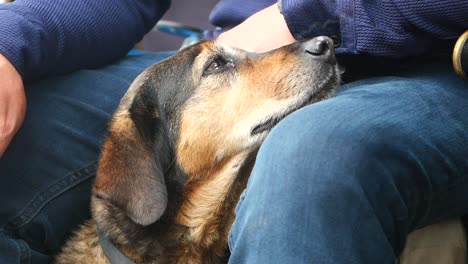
(135, 155)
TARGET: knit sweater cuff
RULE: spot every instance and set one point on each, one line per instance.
(311, 18)
(16, 34)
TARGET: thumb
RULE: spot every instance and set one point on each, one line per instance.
(12, 103)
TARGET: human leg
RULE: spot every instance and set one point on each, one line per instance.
(345, 180)
(47, 171)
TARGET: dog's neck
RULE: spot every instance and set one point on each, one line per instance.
(207, 197)
(197, 220)
(207, 211)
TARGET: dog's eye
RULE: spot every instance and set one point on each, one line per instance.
(217, 65)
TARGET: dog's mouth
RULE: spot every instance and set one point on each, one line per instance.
(320, 93)
(268, 124)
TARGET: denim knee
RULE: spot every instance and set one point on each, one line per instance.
(335, 153)
(314, 179)
(344, 180)
(317, 159)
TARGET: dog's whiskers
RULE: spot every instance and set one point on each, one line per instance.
(170, 165)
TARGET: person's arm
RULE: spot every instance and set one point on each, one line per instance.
(261, 32)
(44, 37)
(393, 28)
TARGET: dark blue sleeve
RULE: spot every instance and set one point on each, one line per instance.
(45, 37)
(393, 28)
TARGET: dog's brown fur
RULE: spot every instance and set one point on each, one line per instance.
(171, 170)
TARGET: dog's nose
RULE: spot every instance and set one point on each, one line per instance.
(318, 46)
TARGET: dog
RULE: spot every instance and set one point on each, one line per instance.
(181, 146)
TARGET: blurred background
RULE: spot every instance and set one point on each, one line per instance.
(192, 13)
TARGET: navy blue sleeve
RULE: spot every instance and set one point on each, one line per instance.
(393, 28)
(45, 37)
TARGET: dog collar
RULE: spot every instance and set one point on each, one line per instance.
(113, 254)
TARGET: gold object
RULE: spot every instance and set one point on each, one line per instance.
(457, 57)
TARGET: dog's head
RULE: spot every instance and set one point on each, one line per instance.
(201, 108)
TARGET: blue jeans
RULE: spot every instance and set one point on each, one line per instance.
(47, 172)
(346, 179)
(341, 181)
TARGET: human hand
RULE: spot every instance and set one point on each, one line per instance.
(263, 31)
(12, 102)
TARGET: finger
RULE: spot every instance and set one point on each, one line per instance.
(231, 39)
(12, 102)
(4, 142)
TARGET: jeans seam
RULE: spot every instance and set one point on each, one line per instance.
(230, 241)
(230, 238)
(43, 198)
(25, 253)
